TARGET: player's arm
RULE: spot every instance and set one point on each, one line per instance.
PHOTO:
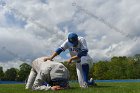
(83, 52)
(63, 47)
(72, 58)
(57, 52)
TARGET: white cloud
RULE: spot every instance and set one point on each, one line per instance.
(37, 27)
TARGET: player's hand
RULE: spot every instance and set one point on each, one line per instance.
(47, 58)
(56, 88)
(69, 61)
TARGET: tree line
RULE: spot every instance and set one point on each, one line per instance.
(121, 67)
(14, 74)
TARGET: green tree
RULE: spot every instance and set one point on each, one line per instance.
(130, 71)
(117, 68)
(23, 72)
(72, 70)
(121, 67)
(100, 70)
(137, 57)
(10, 74)
(1, 73)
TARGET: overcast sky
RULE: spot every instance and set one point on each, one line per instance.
(35, 28)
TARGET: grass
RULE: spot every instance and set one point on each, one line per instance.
(107, 87)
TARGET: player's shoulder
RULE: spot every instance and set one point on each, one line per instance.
(65, 42)
(81, 38)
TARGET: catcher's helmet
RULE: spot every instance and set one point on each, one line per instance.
(73, 39)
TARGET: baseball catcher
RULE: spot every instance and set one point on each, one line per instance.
(47, 75)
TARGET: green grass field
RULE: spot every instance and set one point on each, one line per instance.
(101, 88)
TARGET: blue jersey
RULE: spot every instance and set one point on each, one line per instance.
(82, 45)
